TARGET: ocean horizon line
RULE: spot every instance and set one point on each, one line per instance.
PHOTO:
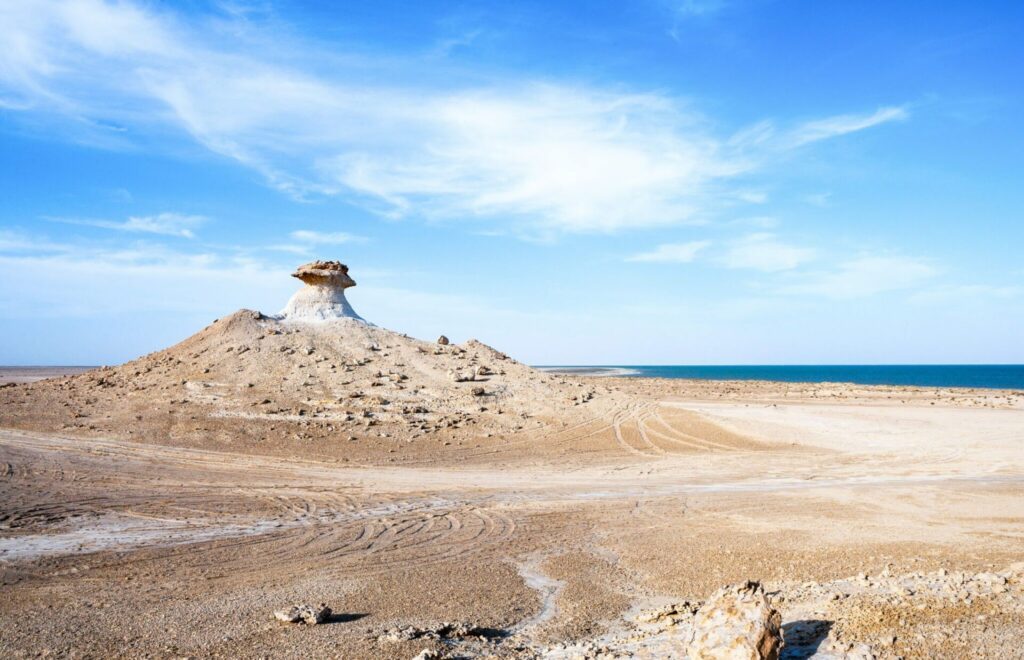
(990, 376)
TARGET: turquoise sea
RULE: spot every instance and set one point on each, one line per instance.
(1001, 376)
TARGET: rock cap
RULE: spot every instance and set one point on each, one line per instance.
(324, 273)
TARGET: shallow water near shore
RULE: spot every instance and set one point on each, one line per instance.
(995, 376)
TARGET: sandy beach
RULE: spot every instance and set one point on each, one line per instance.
(883, 522)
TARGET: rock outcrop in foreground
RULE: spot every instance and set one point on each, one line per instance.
(737, 623)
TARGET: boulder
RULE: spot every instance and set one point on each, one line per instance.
(736, 623)
(443, 340)
(461, 377)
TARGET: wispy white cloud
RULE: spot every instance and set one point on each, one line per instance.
(544, 157)
(311, 237)
(684, 10)
(445, 47)
(823, 129)
(697, 7)
(165, 224)
(766, 138)
(144, 279)
(305, 242)
(765, 252)
(863, 276)
(757, 221)
(967, 292)
(672, 252)
(752, 196)
(576, 159)
(12, 241)
(821, 200)
(291, 248)
(80, 280)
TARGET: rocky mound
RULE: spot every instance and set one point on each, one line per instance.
(338, 387)
(942, 614)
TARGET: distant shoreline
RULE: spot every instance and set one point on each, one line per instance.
(590, 371)
(30, 374)
(988, 376)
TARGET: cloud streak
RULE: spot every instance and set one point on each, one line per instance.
(672, 253)
(764, 252)
(543, 157)
(311, 237)
(164, 224)
(824, 129)
(862, 277)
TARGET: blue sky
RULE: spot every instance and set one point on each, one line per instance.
(644, 182)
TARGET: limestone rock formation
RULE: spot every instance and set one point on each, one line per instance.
(323, 297)
(736, 623)
(333, 386)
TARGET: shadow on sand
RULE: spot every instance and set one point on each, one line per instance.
(803, 638)
(344, 617)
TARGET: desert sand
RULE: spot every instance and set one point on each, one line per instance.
(445, 497)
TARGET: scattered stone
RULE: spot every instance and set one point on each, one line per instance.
(428, 654)
(443, 340)
(668, 615)
(304, 614)
(478, 391)
(461, 377)
(737, 622)
(446, 630)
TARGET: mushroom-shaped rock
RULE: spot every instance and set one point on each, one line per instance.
(323, 297)
(736, 623)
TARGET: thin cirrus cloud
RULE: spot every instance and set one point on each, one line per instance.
(163, 224)
(73, 280)
(766, 138)
(823, 129)
(857, 277)
(965, 293)
(861, 277)
(696, 7)
(764, 252)
(547, 156)
(305, 241)
(684, 10)
(672, 252)
(311, 237)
